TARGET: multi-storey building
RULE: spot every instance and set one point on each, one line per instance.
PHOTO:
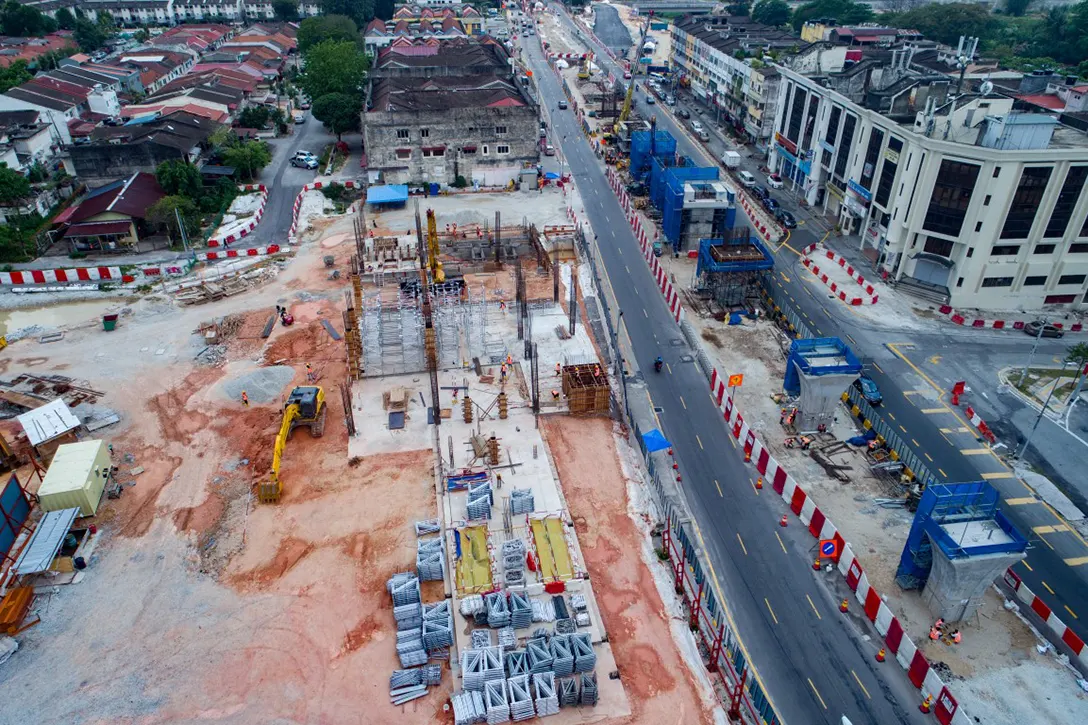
(961, 196)
(725, 59)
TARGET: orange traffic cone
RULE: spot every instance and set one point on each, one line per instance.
(880, 655)
(747, 456)
(759, 482)
(927, 704)
(845, 606)
(816, 565)
(783, 521)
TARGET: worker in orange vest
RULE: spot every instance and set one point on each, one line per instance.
(245, 399)
(934, 634)
(956, 636)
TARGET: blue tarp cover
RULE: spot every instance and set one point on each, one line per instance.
(389, 194)
(654, 441)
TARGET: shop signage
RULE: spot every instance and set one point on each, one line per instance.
(859, 190)
(785, 143)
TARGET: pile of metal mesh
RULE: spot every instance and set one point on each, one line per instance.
(513, 562)
(547, 702)
(585, 659)
(521, 501)
(468, 708)
(479, 501)
(562, 658)
(520, 697)
(589, 688)
(481, 638)
(429, 559)
(498, 610)
(521, 612)
(437, 626)
(498, 708)
(429, 526)
(568, 692)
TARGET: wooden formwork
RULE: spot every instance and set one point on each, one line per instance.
(586, 389)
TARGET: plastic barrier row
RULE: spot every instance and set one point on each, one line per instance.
(979, 322)
(870, 297)
(226, 239)
(1037, 605)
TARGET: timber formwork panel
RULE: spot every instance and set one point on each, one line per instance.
(586, 389)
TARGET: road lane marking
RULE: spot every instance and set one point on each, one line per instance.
(908, 393)
(669, 369)
(852, 340)
(754, 487)
(627, 268)
(784, 276)
(934, 411)
(824, 311)
(975, 451)
(742, 546)
(902, 428)
(732, 440)
(606, 219)
(683, 403)
(999, 474)
(1026, 565)
(941, 470)
(719, 487)
(1020, 501)
(700, 442)
(916, 443)
(780, 543)
(929, 457)
(1047, 586)
(891, 415)
(813, 605)
(878, 368)
(646, 313)
(768, 603)
(1050, 529)
(961, 429)
(1070, 611)
(858, 680)
(1077, 561)
(817, 693)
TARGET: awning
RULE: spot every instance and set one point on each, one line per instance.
(655, 441)
(388, 194)
(45, 542)
(468, 148)
(48, 421)
(929, 257)
(96, 229)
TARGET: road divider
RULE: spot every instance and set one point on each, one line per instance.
(224, 239)
(1058, 629)
(867, 296)
(981, 323)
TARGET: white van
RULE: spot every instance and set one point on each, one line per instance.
(746, 179)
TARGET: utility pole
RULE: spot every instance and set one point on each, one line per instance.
(1034, 347)
(1042, 410)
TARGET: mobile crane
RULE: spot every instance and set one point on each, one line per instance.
(305, 406)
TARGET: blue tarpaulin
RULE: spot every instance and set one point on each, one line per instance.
(654, 441)
(388, 194)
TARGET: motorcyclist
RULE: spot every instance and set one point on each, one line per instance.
(658, 363)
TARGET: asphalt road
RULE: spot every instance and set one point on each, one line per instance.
(916, 369)
(810, 658)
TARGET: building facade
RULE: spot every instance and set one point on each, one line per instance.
(962, 199)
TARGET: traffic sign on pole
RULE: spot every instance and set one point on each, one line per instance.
(829, 548)
(736, 380)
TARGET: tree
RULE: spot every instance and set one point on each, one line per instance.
(254, 117)
(65, 19)
(771, 12)
(947, 22)
(179, 178)
(285, 10)
(13, 185)
(312, 31)
(15, 74)
(361, 11)
(333, 67)
(90, 36)
(24, 21)
(165, 213)
(739, 8)
(142, 36)
(339, 112)
(247, 158)
(384, 9)
(843, 11)
(1078, 354)
(1016, 8)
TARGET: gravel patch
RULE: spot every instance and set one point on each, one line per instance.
(263, 385)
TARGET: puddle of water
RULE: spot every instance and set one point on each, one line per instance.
(59, 315)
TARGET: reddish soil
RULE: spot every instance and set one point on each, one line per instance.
(302, 342)
(199, 519)
(657, 678)
(290, 552)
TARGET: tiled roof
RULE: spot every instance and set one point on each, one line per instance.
(131, 197)
(443, 93)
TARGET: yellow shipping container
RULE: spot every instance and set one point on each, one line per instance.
(76, 478)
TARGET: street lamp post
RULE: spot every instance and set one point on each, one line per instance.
(1034, 347)
(1042, 410)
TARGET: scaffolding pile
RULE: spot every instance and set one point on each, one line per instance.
(731, 270)
(586, 389)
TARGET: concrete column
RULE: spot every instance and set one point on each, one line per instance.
(955, 587)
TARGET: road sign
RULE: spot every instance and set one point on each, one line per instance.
(829, 548)
(735, 381)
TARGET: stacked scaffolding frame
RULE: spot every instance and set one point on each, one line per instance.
(731, 269)
(586, 389)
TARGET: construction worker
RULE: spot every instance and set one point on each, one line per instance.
(502, 373)
(956, 636)
(509, 359)
(934, 634)
(502, 306)
(498, 480)
(596, 371)
(555, 395)
(939, 624)
(455, 391)
(310, 373)
(245, 399)
(558, 370)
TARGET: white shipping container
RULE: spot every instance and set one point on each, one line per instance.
(76, 478)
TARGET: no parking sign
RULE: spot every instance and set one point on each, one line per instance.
(829, 548)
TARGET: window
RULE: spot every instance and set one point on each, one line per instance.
(986, 201)
(485, 150)
(1059, 299)
(1025, 202)
(403, 154)
(959, 282)
(402, 133)
(424, 133)
(845, 145)
(1005, 250)
(1036, 281)
(997, 171)
(951, 196)
(500, 130)
(502, 149)
(833, 125)
(1078, 248)
(810, 122)
(936, 245)
(1071, 279)
(1067, 199)
(793, 131)
(887, 171)
(872, 157)
(970, 251)
(468, 150)
(978, 226)
(1043, 249)
(997, 282)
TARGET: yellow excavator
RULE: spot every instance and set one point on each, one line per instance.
(583, 70)
(438, 275)
(305, 406)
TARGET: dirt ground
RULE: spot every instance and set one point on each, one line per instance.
(658, 682)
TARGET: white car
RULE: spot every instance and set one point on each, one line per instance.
(746, 179)
(774, 181)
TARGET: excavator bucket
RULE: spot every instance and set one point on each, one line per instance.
(269, 491)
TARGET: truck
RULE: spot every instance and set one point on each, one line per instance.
(731, 159)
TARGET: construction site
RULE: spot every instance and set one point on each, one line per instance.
(386, 474)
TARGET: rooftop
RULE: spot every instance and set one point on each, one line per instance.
(130, 197)
(444, 92)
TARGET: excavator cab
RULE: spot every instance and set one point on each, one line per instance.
(305, 406)
(306, 398)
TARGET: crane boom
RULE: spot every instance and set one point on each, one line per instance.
(438, 275)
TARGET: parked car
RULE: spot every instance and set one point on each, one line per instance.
(562, 105)
(869, 390)
(549, 150)
(785, 219)
(650, 100)
(746, 179)
(770, 204)
(627, 75)
(304, 155)
(760, 192)
(683, 113)
(774, 181)
(670, 99)
(1032, 328)
(299, 117)
(304, 162)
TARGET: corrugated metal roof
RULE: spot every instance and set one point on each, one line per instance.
(45, 542)
(48, 421)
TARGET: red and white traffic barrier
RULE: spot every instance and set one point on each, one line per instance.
(1027, 597)
(237, 234)
(982, 323)
(232, 253)
(292, 235)
(869, 297)
(764, 228)
(876, 610)
(60, 276)
(978, 422)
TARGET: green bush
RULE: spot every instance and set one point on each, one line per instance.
(460, 182)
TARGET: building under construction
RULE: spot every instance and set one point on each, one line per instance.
(730, 270)
(586, 389)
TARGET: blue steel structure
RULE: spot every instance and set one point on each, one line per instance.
(731, 269)
(672, 211)
(952, 503)
(663, 146)
(816, 357)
